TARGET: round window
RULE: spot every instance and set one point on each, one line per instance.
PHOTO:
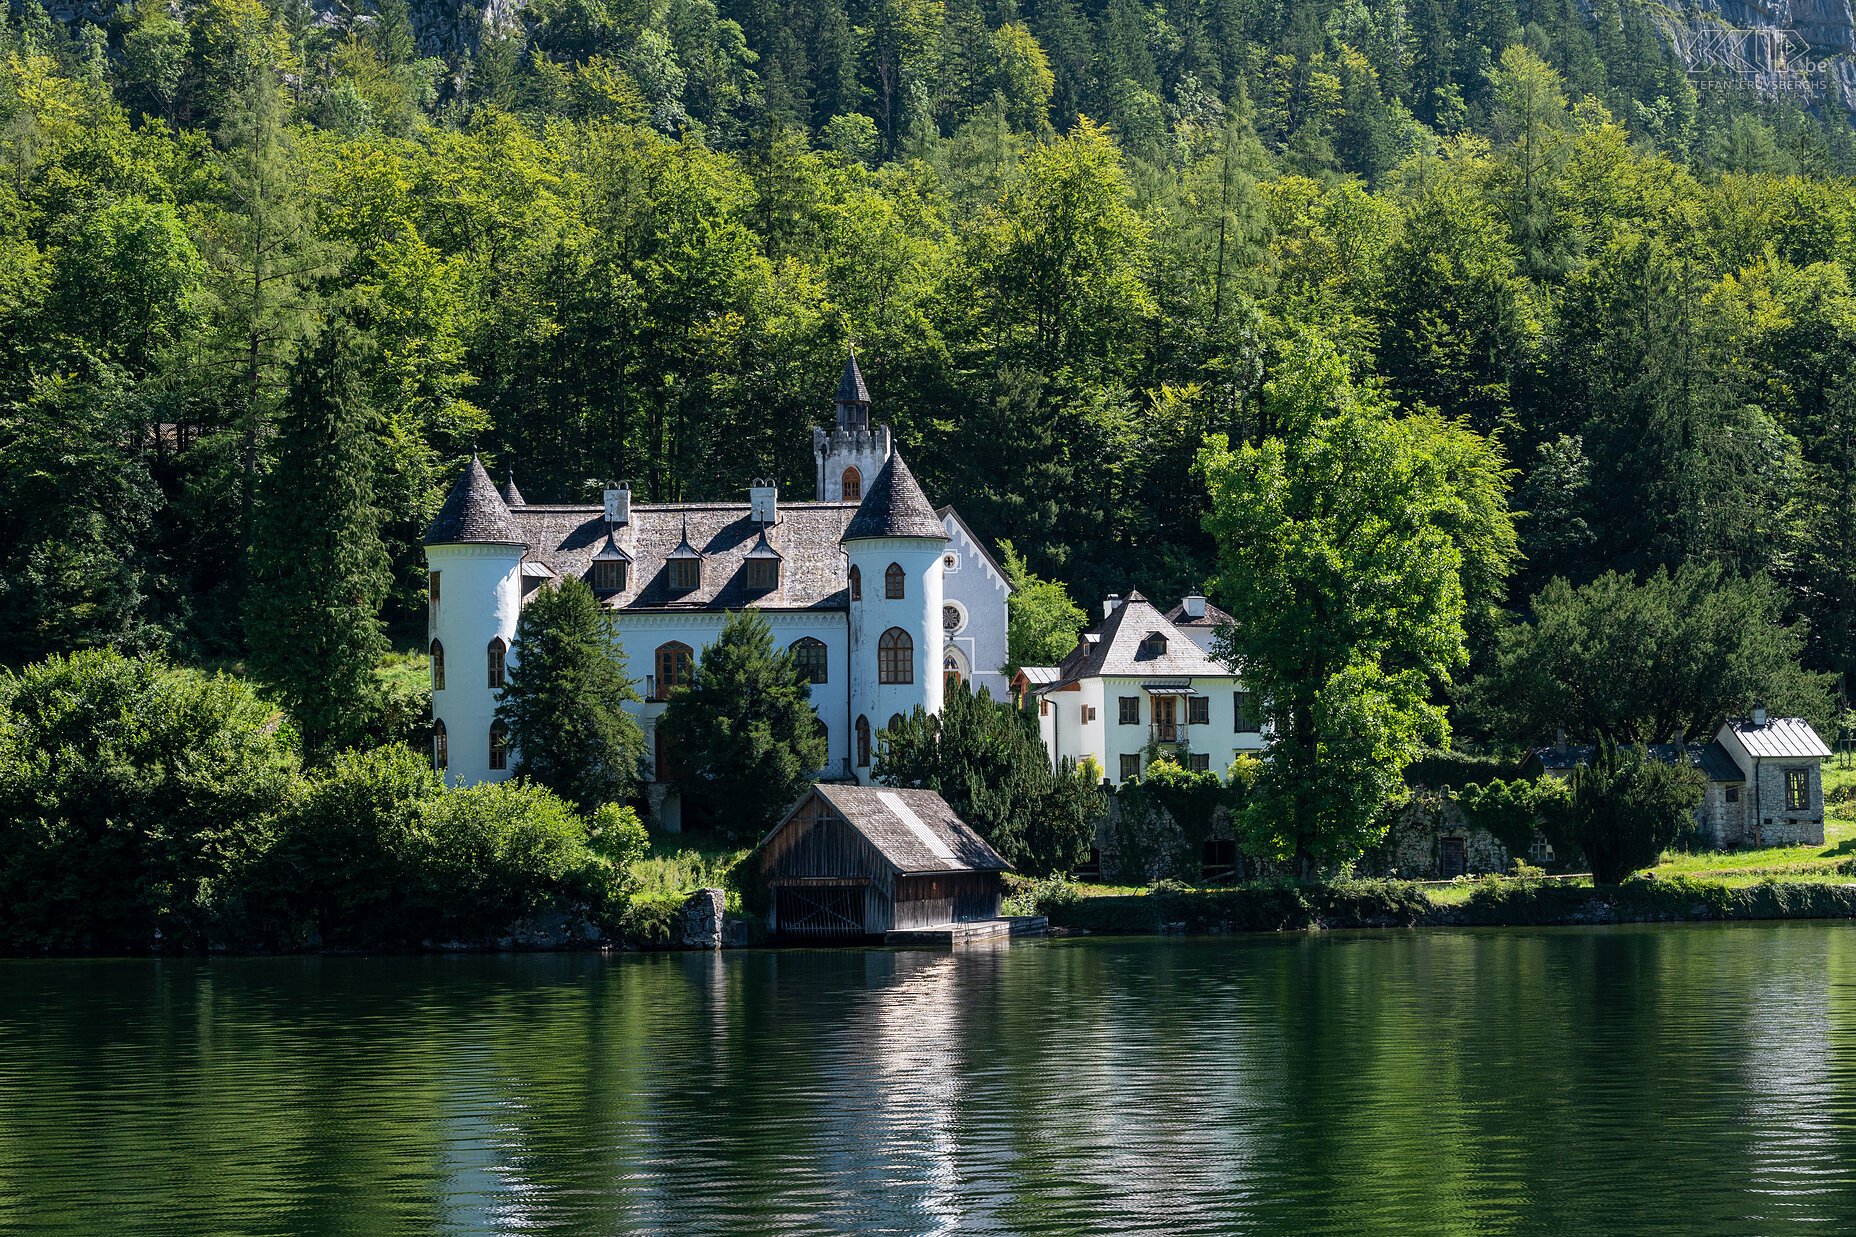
(952, 619)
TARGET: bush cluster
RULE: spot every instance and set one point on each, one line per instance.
(144, 807)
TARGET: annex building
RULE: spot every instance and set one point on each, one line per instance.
(883, 598)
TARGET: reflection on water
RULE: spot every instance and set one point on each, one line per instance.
(1680, 1080)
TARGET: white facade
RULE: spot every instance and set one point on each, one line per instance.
(1137, 687)
(478, 599)
(974, 616)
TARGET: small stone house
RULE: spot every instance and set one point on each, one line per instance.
(1765, 780)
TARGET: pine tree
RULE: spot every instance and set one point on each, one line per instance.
(742, 734)
(563, 702)
(319, 573)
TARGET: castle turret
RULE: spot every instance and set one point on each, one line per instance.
(473, 554)
(894, 545)
(853, 451)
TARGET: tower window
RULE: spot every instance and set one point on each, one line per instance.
(857, 585)
(853, 485)
(895, 657)
(499, 745)
(431, 590)
(809, 655)
(895, 723)
(674, 662)
(438, 666)
(441, 748)
(763, 574)
(498, 654)
(893, 582)
(863, 742)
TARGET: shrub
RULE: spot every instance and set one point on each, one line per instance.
(135, 797)
(497, 854)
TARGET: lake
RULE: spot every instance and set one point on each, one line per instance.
(1683, 1080)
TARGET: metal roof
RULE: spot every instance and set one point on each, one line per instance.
(1037, 676)
(1780, 736)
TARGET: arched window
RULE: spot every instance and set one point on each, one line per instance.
(499, 745)
(863, 742)
(853, 484)
(895, 657)
(857, 585)
(951, 670)
(893, 582)
(810, 656)
(895, 723)
(441, 747)
(438, 666)
(498, 652)
(674, 662)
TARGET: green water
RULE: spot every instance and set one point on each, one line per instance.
(1690, 1080)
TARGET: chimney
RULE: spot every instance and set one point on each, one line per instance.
(764, 498)
(1110, 604)
(1195, 605)
(1559, 738)
(1759, 715)
(619, 503)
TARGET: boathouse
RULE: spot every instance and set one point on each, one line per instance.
(861, 861)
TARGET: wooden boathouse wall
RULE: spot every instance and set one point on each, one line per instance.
(819, 866)
(820, 851)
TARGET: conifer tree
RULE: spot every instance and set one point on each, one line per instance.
(319, 573)
(564, 700)
(743, 735)
(985, 758)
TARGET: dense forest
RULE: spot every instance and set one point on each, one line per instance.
(269, 274)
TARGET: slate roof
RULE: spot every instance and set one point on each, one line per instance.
(473, 512)
(851, 388)
(1212, 617)
(889, 817)
(813, 573)
(512, 497)
(894, 506)
(1711, 758)
(1113, 647)
(1780, 736)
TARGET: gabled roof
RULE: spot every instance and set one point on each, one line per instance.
(764, 548)
(613, 550)
(1718, 764)
(1114, 647)
(914, 830)
(683, 548)
(1780, 736)
(894, 506)
(1711, 758)
(473, 512)
(948, 513)
(1037, 676)
(1213, 617)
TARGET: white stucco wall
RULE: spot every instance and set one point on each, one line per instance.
(1068, 736)
(835, 449)
(970, 583)
(479, 599)
(917, 611)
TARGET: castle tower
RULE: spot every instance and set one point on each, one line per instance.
(853, 451)
(894, 544)
(473, 555)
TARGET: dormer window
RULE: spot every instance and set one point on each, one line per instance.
(1153, 645)
(763, 574)
(608, 575)
(685, 574)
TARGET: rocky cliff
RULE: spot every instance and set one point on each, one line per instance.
(1804, 48)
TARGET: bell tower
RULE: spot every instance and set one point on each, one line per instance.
(852, 452)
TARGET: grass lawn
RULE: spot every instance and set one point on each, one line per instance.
(1837, 856)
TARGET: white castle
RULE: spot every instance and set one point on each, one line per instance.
(883, 598)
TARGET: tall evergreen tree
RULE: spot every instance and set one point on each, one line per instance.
(742, 733)
(564, 700)
(319, 573)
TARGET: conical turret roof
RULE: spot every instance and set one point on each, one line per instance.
(512, 497)
(851, 388)
(473, 512)
(894, 506)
